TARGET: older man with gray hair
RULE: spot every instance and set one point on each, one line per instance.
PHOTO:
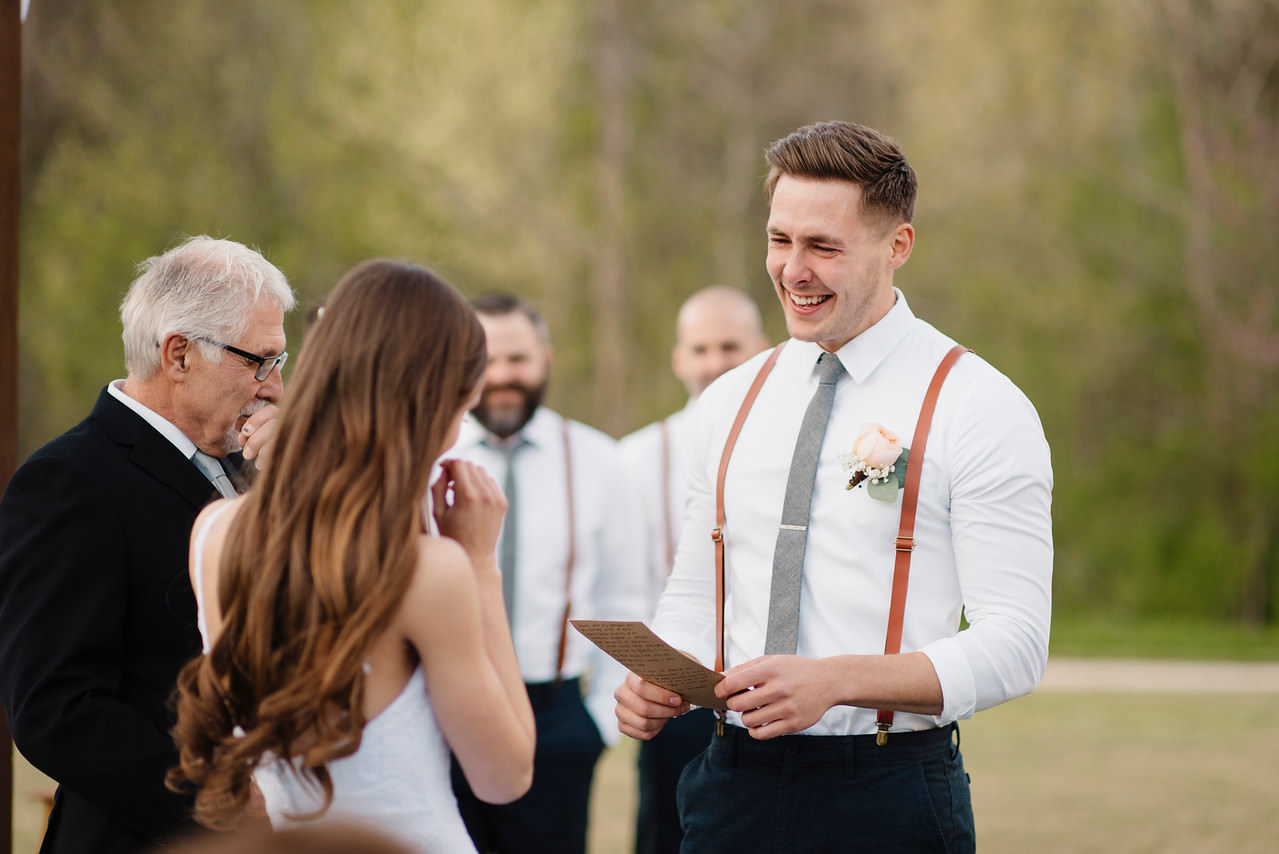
(96, 613)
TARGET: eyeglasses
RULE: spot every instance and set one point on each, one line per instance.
(266, 364)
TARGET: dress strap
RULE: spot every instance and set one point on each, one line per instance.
(197, 571)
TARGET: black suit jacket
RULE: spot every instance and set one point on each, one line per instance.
(96, 618)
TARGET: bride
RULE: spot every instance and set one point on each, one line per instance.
(347, 648)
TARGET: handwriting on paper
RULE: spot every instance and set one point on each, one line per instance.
(636, 648)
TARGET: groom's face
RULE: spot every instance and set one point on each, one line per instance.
(831, 263)
(517, 374)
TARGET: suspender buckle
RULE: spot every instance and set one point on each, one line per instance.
(905, 544)
(881, 737)
(717, 534)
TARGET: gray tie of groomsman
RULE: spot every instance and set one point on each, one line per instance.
(510, 529)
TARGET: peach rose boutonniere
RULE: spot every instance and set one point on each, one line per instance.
(879, 459)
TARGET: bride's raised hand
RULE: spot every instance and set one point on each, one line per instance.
(469, 507)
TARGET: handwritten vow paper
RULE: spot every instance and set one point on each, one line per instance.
(634, 645)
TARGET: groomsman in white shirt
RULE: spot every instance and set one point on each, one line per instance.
(716, 328)
(847, 566)
(571, 547)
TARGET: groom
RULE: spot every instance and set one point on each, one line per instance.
(834, 739)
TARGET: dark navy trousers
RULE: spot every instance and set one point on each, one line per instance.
(828, 793)
(661, 761)
(552, 817)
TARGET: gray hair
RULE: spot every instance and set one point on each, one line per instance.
(204, 287)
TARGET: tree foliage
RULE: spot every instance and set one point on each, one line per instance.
(1096, 217)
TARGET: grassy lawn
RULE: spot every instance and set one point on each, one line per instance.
(1170, 639)
(1068, 773)
(1054, 772)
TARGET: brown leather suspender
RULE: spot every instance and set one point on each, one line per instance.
(717, 534)
(572, 555)
(904, 544)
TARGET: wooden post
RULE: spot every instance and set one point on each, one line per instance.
(10, 159)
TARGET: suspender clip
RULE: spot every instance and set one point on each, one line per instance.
(881, 737)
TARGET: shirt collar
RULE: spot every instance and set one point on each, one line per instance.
(862, 355)
(162, 425)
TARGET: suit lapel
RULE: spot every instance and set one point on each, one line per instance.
(151, 452)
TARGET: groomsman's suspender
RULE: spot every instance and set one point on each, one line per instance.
(904, 544)
(668, 529)
(572, 555)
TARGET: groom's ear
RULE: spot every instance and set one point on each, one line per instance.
(901, 243)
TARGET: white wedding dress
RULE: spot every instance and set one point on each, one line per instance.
(397, 782)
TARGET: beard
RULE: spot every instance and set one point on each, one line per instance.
(231, 441)
(506, 419)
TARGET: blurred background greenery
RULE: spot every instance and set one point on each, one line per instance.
(1098, 210)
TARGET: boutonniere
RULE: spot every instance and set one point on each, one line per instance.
(879, 459)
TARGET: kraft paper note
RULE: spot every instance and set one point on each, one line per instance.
(634, 645)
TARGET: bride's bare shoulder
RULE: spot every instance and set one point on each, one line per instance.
(440, 561)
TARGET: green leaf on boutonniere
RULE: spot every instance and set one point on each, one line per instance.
(899, 467)
(882, 490)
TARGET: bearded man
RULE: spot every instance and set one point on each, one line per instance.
(572, 546)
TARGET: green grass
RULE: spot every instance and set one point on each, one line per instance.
(1203, 641)
(1124, 772)
(1052, 772)
(1057, 773)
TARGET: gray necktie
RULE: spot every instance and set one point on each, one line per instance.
(792, 536)
(214, 472)
(510, 529)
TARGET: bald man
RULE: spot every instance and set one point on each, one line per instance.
(716, 329)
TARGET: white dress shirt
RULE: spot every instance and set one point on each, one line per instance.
(983, 531)
(652, 456)
(609, 559)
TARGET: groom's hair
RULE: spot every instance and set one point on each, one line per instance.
(843, 151)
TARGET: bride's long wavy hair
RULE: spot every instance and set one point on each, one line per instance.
(319, 556)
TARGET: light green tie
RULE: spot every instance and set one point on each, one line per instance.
(213, 470)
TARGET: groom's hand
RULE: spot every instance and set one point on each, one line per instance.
(777, 694)
(644, 708)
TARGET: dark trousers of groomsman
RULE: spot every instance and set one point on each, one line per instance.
(552, 817)
(661, 761)
(816, 793)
